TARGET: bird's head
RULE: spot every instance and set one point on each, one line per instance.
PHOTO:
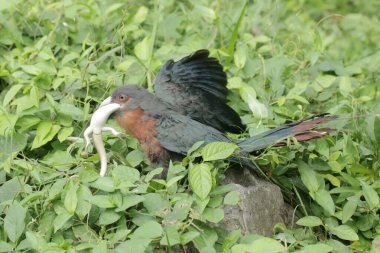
(126, 96)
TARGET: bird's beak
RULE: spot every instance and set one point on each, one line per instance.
(106, 101)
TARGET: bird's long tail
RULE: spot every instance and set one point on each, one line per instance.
(303, 130)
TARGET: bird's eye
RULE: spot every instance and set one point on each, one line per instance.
(121, 97)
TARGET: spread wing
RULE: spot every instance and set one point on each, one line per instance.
(195, 86)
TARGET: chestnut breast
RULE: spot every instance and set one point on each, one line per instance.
(142, 128)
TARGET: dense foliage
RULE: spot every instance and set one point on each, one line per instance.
(285, 60)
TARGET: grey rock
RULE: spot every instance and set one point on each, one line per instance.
(261, 205)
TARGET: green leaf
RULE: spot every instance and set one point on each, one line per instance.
(104, 184)
(135, 157)
(308, 177)
(348, 210)
(213, 215)
(102, 201)
(149, 230)
(323, 81)
(218, 151)
(240, 56)
(36, 241)
(317, 248)
(64, 133)
(14, 221)
(71, 199)
(143, 50)
(45, 133)
(345, 87)
(370, 195)
(232, 198)
(200, 180)
(265, 245)
(258, 109)
(107, 217)
(133, 246)
(324, 199)
(5, 247)
(171, 236)
(71, 110)
(61, 220)
(344, 232)
(156, 203)
(129, 201)
(30, 69)
(188, 236)
(34, 96)
(309, 221)
(56, 189)
(11, 94)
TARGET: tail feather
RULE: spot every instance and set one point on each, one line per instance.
(303, 130)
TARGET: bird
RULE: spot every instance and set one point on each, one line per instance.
(166, 134)
(190, 105)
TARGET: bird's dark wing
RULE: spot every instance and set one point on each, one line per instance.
(178, 133)
(195, 86)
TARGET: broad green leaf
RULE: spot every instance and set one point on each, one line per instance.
(371, 196)
(141, 14)
(324, 199)
(348, 210)
(135, 245)
(5, 247)
(174, 180)
(188, 236)
(129, 201)
(36, 241)
(64, 133)
(344, 232)
(14, 221)
(11, 94)
(102, 201)
(317, 248)
(345, 85)
(135, 157)
(156, 203)
(309, 221)
(104, 184)
(149, 230)
(213, 215)
(109, 216)
(265, 245)
(34, 96)
(143, 50)
(61, 219)
(218, 151)
(45, 133)
(258, 109)
(30, 69)
(200, 180)
(83, 206)
(232, 238)
(171, 236)
(71, 199)
(308, 177)
(56, 189)
(71, 110)
(10, 189)
(232, 198)
(323, 81)
(240, 56)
